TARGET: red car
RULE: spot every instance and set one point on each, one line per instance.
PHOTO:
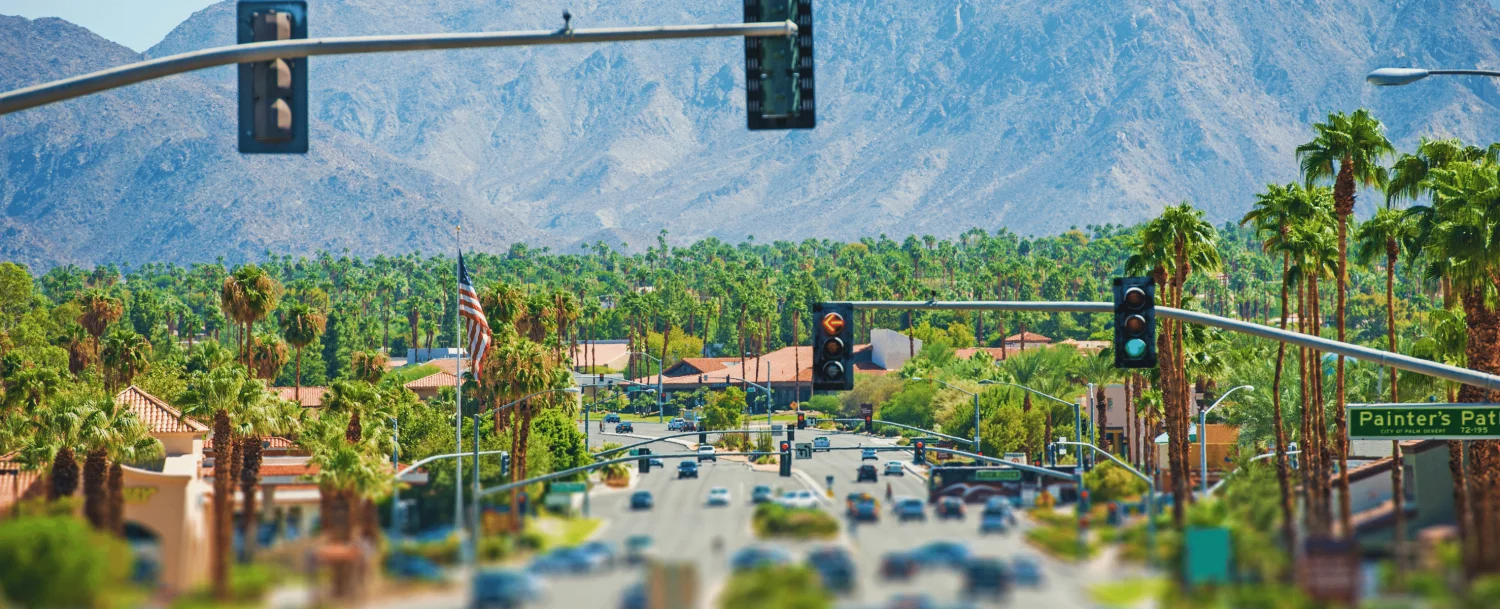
(950, 507)
(897, 566)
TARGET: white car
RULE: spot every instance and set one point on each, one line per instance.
(799, 499)
(718, 496)
(894, 468)
(706, 453)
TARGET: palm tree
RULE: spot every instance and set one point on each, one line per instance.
(1175, 244)
(367, 366)
(349, 474)
(1357, 143)
(262, 414)
(247, 296)
(301, 326)
(56, 439)
(110, 432)
(125, 355)
(99, 311)
(267, 356)
(1098, 369)
(1388, 232)
(217, 396)
(1274, 213)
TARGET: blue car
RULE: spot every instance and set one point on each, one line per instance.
(835, 568)
(753, 557)
(1025, 571)
(637, 548)
(504, 589)
(411, 566)
(641, 500)
(942, 554)
(910, 508)
(993, 522)
(605, 550)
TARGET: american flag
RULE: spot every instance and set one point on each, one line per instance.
(469, 308)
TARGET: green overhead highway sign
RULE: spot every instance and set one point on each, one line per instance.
(568, 487)
(1424, 422)
(999, 475)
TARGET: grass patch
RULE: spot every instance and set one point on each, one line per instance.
(557, 532)
(1060, 541)
(1128, 593)
(776, 520)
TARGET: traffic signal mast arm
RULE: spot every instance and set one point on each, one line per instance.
(120, 76)
(1364, 354)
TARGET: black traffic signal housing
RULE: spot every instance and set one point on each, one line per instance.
(801, 420)
(869, 424)
(833, 346)
(1135, 322)
(791, 434)
(273, 94)
(702, 438)
(778, 69)
(786, 459)
(645, 463)
(919, 452)
(505, 465)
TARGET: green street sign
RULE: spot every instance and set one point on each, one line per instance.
(568, 487)
(999, 475)
(1423, 422)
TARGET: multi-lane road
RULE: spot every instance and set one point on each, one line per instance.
(684, 529)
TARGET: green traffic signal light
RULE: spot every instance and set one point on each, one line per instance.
(1135, 347)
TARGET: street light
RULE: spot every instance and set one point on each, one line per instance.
(1203, 434)
(978, 448)
(474, 509)
(1395, 77)
(660, 372)
(1077, 418)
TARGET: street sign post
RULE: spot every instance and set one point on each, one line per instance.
(1424, 421)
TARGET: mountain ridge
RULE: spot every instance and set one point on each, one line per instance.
(1029, 115)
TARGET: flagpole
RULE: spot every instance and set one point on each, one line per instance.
(458, 387)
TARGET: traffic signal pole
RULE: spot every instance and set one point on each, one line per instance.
(120, 76)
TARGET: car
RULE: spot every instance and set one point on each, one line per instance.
(894, 468)
(897, 566)
(912, 601)
(866, 510)
(868, 454)
(504, 588)
(909, 508)
(756, 556)
(635, 597)
(567, 560)
(637, 549)
(942, 554)
(706, 453)
(674, 425)
(641, 500)
(760, 494)
(1025, 571)
(687, 469)
(605, 550)
(851, 499)
(822, 443)
(993, 522)
(656, 462)
(611, 418)
(689, 426)
(835, 567)
(625, 427)
(799, 499)
(950, 507)
(866, 473)
(413, 567)
(986, 577)
(718, 496)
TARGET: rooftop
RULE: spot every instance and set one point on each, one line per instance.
(311, 396)
(158, 416)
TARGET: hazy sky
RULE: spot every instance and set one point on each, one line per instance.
(137, 24)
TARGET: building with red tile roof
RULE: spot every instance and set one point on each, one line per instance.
(428, 386)
(309, 396)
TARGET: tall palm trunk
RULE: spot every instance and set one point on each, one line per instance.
(116, 499)
(1309, 437)
(63, 478)
(95, 489)
(1320, 411)
(223, 505)
(297, 393)
(1398, 489)
(1343, 207)
(1283, 470)
(250, 459)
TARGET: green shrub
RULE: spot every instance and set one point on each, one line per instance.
(495, 548)
(1060, 541)
(1110, 482)
(903, 441)
(785, 587)
(58, 561)
(776, 520)
(444, 552)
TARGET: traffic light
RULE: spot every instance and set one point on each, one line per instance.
(645, 463)
(1135, 322)
(786, 459)
(919, 456)
(702, 438)
(273, 94)
(505, 465)
(791, 434)
(779, 70)
(833, 346)
(869, 424)
(801, 420)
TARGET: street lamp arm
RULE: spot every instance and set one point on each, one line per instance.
(422, 462)
(1226, 395)
(1025, 388)
(946, 384)
(1117, 460)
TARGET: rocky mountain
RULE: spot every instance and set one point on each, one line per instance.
(934, 116)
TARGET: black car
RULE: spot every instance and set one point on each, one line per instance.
(950, 507)
(625, 427)
(834, 567)
(641, 500)
(761, 494)
(867, 473)
(611, 418)
(986, 577)
(897, 566)
(687, 469)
